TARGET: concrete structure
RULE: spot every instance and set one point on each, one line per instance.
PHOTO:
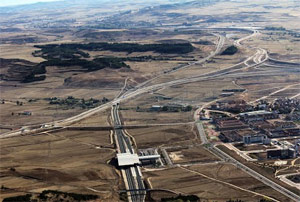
(127, 159)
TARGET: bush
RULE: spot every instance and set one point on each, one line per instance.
(23, 198)
(231, 50)
(191, 198)
(76, 197)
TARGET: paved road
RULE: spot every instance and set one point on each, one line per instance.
(255, 174)
(133, 176)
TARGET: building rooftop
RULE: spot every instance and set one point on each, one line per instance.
(254, 113)
(127, 159)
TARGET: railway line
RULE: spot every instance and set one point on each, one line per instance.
(132, 176)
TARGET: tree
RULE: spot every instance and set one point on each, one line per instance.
(165, 108)
(189, 108)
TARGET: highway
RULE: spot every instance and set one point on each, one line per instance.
(142, 88)
(133, 178)
(132, 174)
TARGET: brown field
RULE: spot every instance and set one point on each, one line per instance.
(132, 117)
(265, 86)
(194, 154)
(266, 171)
(253, 147)
(98, 119)
(163, 136)
(71, 161)
(209, 189)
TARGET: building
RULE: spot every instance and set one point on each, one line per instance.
(234, 106)
(275, 133)
(26, 113)
(155, 108)
(127, 159)
(285, 124)
(235, 135)
(261, 125)
(256, 138)
(292, 131)
(173, 107)
(257, 116)
(234, 90)
(227, 94)
(281, 153)
(230, 124)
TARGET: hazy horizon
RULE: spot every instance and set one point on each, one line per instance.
(4, 3)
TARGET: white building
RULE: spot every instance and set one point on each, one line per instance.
(127, 159)
(257, 138)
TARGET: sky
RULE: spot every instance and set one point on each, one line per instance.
(20, 2)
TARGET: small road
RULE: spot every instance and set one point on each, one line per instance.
(287, 181)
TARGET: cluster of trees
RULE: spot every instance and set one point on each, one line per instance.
(191, 198)
(231, 50)
(34, 74)
(56, 49)
(72, 102)
(75, 197)
(23, 198)
(66, 55)
(275, 28)
(96, 64)
(238, 200)
(167, 108)
(203, 42)
(51, 195)
(63, 51)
